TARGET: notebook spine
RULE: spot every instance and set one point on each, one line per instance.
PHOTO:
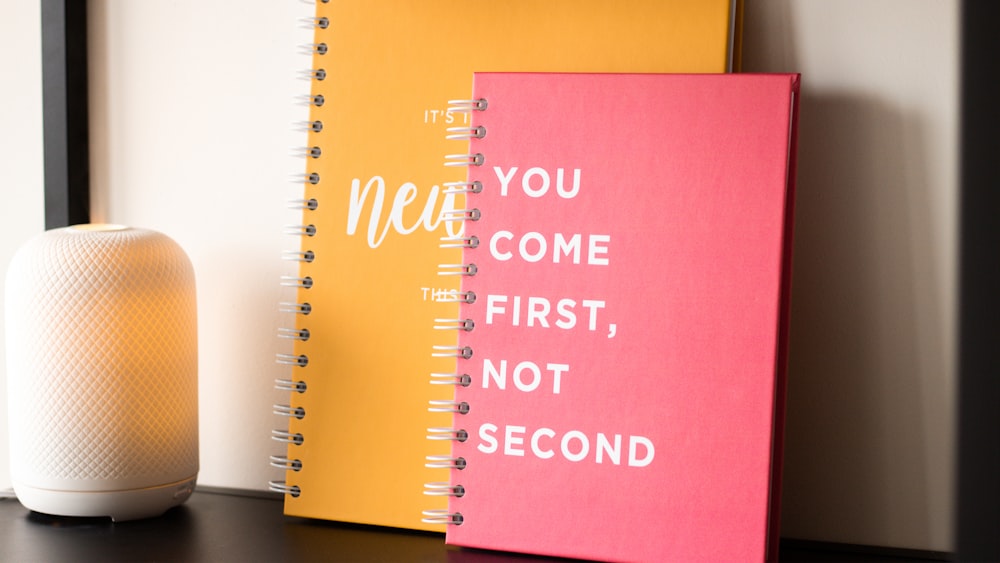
(456, 433)
(297, 311)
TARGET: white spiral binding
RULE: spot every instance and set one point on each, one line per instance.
(459, 133)
(303, 177)
(302, 334)
(298, 256)
(473, 187)
(447, 433)
(307, 152)
(313, 49)
(304, 204)
(314, 126)
(457, 297)
(292, 281)
(311, 74)
(463, 352)
(442, 517)
(460, 242)
(314, 23)
(290, 385)
(288, 410)
(461, 379)
(288, 437)
(282, 462)
(467, 106)
(444, 489)
(455, 407)
(300, 283)
(297, 308)
(457, 269)
(284, 488)
(456, 379)
(301, 230)
(445, 462)
(464, 159)
(311, 100)
(461, 215)
(454, 324)
(300, 360)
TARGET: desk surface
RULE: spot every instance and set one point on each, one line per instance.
(216, 526)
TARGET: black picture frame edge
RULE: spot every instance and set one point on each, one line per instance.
(65, 113)
(978, 396)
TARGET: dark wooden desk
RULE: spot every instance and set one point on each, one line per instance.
(216, 526)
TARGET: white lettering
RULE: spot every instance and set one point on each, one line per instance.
(494, 306)
(497, 374)
(534, 247)
(406, 195)
(539, 240)
(526, 182)
(356, 204)
(593, 305)
(539, 309)
(596, 253)
(604, 446)
(490, 371)
(567, 317)
(633, 443)
(489, 441)
(494, 251)
(565, 247)
(504, 178)
(557, 371)
(403, 198)
(574, 445)
(535, 449)
(536, 181)
(567, 194)
(536, 376)
(513, 436)
(564, 445)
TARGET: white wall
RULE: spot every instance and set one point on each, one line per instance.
(21, 177)
(872, 377)
(191, 104)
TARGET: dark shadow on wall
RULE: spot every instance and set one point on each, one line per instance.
(867, 330)
(856, 447)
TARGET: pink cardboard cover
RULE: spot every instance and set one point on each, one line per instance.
(631, 289)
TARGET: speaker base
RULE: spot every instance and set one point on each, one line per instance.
(132, 504)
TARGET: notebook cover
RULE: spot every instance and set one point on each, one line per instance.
(627, 376)
(391, 67)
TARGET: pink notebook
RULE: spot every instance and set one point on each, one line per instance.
(628, 330)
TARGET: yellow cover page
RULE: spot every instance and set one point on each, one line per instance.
(390, 68)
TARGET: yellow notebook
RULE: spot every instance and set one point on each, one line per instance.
(383, 72)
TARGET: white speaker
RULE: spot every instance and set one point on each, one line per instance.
(102, 372)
